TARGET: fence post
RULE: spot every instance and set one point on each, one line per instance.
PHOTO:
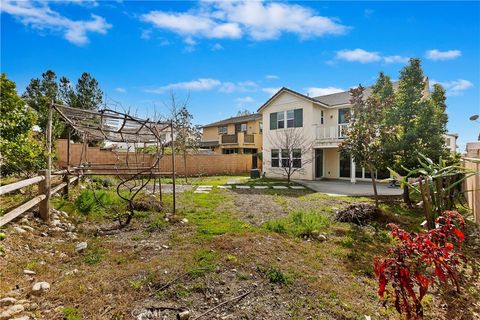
(66, 179)
(44, 188)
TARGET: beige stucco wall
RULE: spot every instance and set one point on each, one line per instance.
(331, 163)
(286, 101)
(253, 127)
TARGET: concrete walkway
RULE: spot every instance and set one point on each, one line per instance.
(346, 188)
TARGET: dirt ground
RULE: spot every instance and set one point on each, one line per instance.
(220, 256)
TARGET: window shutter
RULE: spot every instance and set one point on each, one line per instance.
(273, 121)
(298, 118)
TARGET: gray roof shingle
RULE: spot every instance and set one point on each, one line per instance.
(238, 119)
(341, 98)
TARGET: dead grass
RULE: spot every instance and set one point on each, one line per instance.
(224, 250)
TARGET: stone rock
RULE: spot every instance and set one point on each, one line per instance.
(28, 228)
(56, 223)
(31, 306)
(71, 235)
(29, 272)
(19, 230)
(81, 247)
(7, 301)
(184, 220)
(11, 311)
(318, 236)
(24, 220)
(44, 234)
(40, 287)
(22, 318)
(165, 246)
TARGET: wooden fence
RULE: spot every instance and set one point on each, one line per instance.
(472, 186)
(197, 164)
(45, 191)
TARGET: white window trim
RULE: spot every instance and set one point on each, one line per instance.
(292, 118)
(279, 158)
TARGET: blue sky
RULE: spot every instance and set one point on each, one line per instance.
(229, 56)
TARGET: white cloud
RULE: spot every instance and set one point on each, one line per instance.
(120, 89)
(189, 25)
(202, 84)
(245, 100)
(437, 55)
(243, 86)
(358, 55)
(271, 91)
(315, 91)
(207, 84)
(255, 19)
(38, 15)
(395, 59)
(455, 87)
(146, 34)
(271, 77)
(216, 47)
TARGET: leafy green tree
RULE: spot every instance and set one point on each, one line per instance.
(420, 120)
(20, 153)
(383, 88)
(364, 139)
(39, 94)
(244, 112)
(88, 94)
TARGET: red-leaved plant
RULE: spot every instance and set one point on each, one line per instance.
(419, 261)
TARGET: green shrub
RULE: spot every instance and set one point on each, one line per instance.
(93, 256)
(105, 182)
(70, 313)
(275, 275)
(88, 202)
(300, 223)
(276, 226)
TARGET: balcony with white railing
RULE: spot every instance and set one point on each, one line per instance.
(336, 132)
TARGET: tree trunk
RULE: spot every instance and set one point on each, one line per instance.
(185, 165)
(406, 196)
(374, 184)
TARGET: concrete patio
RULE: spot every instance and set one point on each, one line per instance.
(346, 188)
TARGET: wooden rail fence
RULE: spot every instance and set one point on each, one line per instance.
(45, 191)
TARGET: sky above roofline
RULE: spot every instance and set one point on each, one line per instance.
(229, 56)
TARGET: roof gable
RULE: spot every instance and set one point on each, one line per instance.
(290, 91)
(237, 119)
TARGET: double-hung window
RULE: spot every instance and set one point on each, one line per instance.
(322, 117)
(222, 130)
(286, 119)
(261, 127)
(290, 119)
(275, 158)
(297, 158)
(285, 158)
(343, 115)
(280, 120)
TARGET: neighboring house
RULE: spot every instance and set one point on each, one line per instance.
(473, 150)
(451, 141)
(322, 121)
(242, 134)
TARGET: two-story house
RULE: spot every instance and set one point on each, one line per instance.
(241, 134)
(322, 121)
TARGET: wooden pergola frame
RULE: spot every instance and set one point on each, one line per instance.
(114, 126)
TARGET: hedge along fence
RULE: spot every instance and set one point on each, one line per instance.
(45, 191)
(197, 164)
